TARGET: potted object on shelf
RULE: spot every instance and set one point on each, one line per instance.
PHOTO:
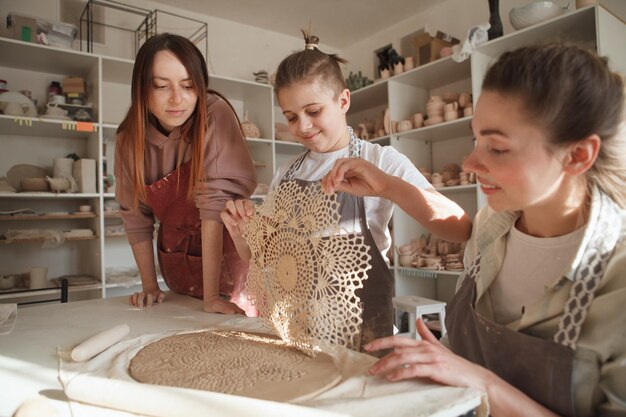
(250, 130)
(533, 13)
(496, 30)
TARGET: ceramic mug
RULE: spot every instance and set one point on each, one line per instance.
(58, 99)
(451, 107)
(468, 111)
(38, 277)
(53, 110)
(451, 115)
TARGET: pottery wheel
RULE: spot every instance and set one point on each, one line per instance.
(238, 363)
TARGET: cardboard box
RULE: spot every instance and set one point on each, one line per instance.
(429, 48)
(22, 28)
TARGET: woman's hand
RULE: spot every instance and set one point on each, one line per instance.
(235, 215)
(426, 358)
(215, 304)
(356, 176)
(147, 297)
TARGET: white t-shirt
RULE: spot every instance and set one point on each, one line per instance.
(378, 211)
(530, 264)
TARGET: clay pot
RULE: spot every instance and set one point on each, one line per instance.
(418, 120)
(405, 260)
(465, 99)
(454, 106)
(451, 115)
(409, 63)
(404, 125)
(398, 68)
(250, 130)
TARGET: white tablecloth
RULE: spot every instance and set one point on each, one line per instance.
(29, 365)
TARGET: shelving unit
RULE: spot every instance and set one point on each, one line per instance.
(434, 146)
(37, 141)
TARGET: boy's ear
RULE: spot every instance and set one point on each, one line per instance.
(344, 100)
(582, 155)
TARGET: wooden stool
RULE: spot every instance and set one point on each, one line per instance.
(417, 307)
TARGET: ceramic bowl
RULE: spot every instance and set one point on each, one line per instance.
(533, 13)
(34, 184)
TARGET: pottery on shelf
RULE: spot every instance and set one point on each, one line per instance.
(404, 125)
(34, 184)
(496, 30)
(533, 13)
(250, 130)
(418, 120)
(409, 63)
(58, 185)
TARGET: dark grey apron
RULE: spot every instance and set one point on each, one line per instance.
(541, 368)
(378, 289)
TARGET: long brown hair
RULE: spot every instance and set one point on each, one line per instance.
(311, 64)
(133, 128)
(571, 93)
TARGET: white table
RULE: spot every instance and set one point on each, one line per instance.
(29, 363)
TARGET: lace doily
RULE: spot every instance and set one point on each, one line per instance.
(304, 272)
(247, 364)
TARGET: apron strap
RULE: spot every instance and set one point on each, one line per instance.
(590, 271)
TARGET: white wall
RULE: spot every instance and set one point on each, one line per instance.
(235, 50)
(454, 17)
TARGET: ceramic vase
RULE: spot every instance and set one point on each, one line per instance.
(496, 30)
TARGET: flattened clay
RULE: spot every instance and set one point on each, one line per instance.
(238, 363)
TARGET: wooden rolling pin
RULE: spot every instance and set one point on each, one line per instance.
(99, 343)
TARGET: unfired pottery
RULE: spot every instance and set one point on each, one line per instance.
(250, 130)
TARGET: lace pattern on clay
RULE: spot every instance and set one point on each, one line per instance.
(304, 272)
(242, 360)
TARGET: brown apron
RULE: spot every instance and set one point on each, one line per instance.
(378, 289)
(541, 368)
(179, 242)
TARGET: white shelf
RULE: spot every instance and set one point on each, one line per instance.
(458, 188)
(40, 58)
(35, 126)
(371, 96)
(442, 131)
(15, 294)
(425, 273)
(117, 70)
(435, 74)
(48, 195)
